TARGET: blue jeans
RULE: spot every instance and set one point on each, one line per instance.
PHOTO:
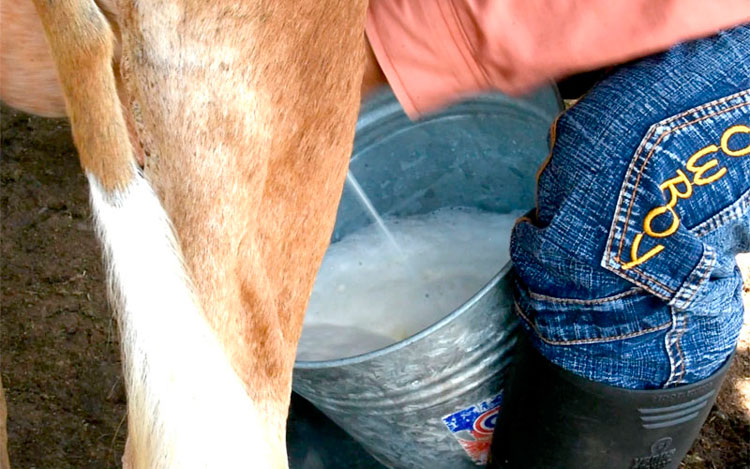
(625, 271)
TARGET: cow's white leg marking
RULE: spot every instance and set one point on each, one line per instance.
(185, 402)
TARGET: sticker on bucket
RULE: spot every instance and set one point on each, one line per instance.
(473, 426)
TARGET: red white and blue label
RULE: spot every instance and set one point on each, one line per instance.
(473, 426)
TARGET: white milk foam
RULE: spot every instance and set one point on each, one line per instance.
(368, 295)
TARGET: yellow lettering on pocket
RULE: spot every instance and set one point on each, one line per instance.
(671, 185)
(735, 129)
(699, 170)
(636, 259)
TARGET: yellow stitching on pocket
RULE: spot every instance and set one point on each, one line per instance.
(656, 212)
(636, 169)
(670, 184)
(699, 171)
(636, 260)
(712, 113)
(728, 134)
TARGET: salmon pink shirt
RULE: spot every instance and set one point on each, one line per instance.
(435, 51)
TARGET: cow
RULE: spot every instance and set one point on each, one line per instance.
(215, 138)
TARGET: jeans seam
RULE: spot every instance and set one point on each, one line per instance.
(670, 356)
(576, 301)
(672, 339)
(622, 193)
(545, 163)
(599, 340)
(700, 273)
(677, 345)
(649, 278)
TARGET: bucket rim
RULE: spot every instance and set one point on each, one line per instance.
(361, 358)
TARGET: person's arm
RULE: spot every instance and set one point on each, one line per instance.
(436, 51)
(373, 77)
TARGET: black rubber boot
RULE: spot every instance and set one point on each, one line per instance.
(552, 418)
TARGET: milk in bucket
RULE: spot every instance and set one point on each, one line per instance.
(370, 294)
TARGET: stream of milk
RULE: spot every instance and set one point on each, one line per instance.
(368, 295)
(365, 202)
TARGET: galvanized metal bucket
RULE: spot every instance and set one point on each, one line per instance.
(431, 400)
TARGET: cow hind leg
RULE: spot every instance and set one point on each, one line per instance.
(175, 370)
(247, 113)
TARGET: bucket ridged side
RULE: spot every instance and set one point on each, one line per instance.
(397, 400)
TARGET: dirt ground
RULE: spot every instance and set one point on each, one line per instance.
(59, 345)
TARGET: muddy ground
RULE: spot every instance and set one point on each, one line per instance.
(59, 345)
